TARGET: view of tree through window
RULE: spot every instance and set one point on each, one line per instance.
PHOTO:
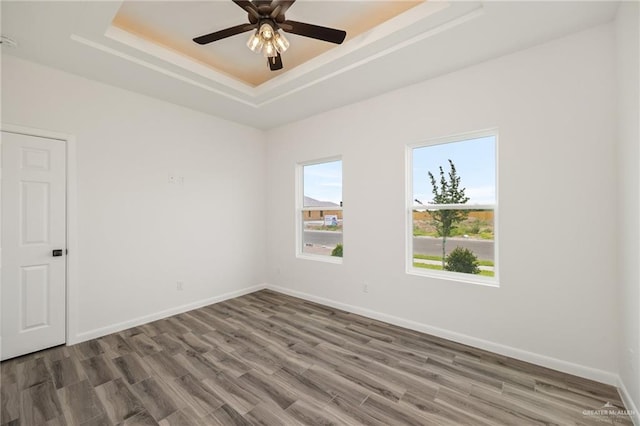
(453, 206)
(321, 212)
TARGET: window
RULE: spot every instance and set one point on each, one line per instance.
(320, 210)
(452, 208)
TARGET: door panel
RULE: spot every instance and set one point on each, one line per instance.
(33, 289)
(33, 294)
(35, 204)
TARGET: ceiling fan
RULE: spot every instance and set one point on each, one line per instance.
(267, 17)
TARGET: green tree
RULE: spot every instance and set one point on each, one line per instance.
(462, 260)
(337, 251)
(448, 191)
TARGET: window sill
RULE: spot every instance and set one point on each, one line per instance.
(456, 277)
(320, 258)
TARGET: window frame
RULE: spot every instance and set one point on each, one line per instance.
(301, 209)
(410, 206)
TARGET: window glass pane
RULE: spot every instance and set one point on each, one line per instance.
(470, 238)
(323, 184)
(322, 225)
(475, 164)
(462, 172)
(321, 234)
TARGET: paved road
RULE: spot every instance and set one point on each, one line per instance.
(422, 245)
(323, 238)
(428, 245)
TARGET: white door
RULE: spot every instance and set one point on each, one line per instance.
(33, 289)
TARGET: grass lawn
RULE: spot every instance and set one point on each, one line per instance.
(439, 267)
(439, 259)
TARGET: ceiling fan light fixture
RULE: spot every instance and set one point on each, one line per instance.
(281, 42)
(266, 32)
(255, 43)
(269, 50)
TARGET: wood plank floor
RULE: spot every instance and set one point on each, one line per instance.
(270, 359)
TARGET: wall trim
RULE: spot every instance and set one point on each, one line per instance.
(628, 402)
(114, 328)
(534, 358)
(538, 359)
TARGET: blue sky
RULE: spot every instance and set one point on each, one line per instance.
(475, 163)
(474, 160)
(324, 181)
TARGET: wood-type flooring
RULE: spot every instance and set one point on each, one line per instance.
(271, 359)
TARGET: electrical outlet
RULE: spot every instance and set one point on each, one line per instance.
(365, 288)
(179, 286)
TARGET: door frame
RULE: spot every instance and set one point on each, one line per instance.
(71, 259)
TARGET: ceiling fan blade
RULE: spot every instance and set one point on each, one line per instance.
(249, 7)
(227, 32)
(275, 63)
(275, 12)
(314, 31)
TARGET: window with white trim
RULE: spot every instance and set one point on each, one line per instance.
(452, 208)
(319, 215)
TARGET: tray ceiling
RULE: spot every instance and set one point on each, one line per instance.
(146, 47)
(173, 25)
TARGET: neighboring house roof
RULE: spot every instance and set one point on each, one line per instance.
(312, 202)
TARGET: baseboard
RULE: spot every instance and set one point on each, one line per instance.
(534, 358)
(103, 331)
(628, 402)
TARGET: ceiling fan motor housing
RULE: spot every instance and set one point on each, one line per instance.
(265, 13)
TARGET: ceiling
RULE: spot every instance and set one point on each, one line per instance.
(146, 47)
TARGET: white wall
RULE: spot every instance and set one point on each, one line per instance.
(554, 106)
(628, 72)
(138, 235)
